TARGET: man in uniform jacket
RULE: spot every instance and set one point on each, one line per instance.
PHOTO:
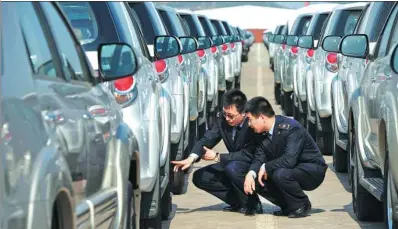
(225, 178)
(287, 159)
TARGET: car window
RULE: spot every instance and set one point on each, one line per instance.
(394, 37)
(83, 20)
(300, 26)
(207, 26)
(192, 26)
(70, 59)
(144, 21)
(36, 42)
(316, 33)
(184, 22)
(172, 23)
(385, 37)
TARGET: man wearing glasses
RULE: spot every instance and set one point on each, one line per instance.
(225, 178)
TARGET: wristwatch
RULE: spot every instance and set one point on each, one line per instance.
(217, 157)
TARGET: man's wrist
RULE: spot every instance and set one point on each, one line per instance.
(252, 173)
(193, 157)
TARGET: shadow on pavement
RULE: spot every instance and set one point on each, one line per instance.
(343, 177)
(363, 225)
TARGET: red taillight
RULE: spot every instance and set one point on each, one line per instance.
(124, 84)
(160, 66)
(294, 49)
(310, 52)
(180, 59)
(232, 45)
(331, 58)
(224, 47)
(201, 53)
(214, 49)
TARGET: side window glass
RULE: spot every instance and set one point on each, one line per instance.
(138, 30)
(70, 60)
(385, 36)
(394, 36)
(36, 42)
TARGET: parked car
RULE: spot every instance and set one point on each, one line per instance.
(236, 49)
(227, 54)
(325, 67)
(372, 125)
(175, 81)
(266, 34)
(208, 63)
(197, 89)
(141, 96)
(350, 73)
(304, 59)
(279, 45)
(288, 58)
(48, 180)
(218, 56)
(245, 45)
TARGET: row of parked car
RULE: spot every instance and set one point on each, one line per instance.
(336, 71)
(96, 99)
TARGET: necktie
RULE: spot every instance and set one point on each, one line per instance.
(237, 130)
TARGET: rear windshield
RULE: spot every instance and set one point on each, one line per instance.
(149, 21)
(193, 25)
(373, 19)
(316, 29)
(172, 23)
(301, 25)
(219, 27)
(207, 26)
(83, 16)
(342, 22)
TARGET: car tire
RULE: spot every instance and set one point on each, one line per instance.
(287, 104)
(167, 203)
(389, 202)
(365, 205)
(277, 93)
(339, 154)
(245, 58)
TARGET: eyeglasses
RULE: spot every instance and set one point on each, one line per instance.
(230, 116)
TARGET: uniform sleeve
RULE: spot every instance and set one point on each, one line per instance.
(211, 138)
(258, 159)
(289, 159)
(245, 154)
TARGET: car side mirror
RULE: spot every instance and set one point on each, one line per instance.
(116, 61)
(280, 39)
(189, 44)
(331, 43)
(204, 42)
(271, 38)
(355, 45)
(292, 40)
(217, 40)
(166, 47)
(306, 41)
(394, 60)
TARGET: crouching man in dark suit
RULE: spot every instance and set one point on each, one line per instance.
(287, 159)
(225, 178)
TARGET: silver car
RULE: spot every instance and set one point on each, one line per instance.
(350, 75)
(277, 48)
(325, 68)
(142, 98)
(304, 59)
(372, 125)
(236, 50)
(47, 180)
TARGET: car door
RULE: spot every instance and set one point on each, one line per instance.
(85, 109)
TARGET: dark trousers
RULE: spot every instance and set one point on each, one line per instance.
(225, 182)
(285, 187)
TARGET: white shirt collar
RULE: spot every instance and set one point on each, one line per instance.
(271, 131)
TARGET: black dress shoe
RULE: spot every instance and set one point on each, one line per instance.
(301, 212)
(233, 208)
(280, 213)
(252, 211)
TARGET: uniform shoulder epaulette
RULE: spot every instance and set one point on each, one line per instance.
(284, 126)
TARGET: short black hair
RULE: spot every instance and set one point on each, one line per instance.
(235, 97)
(259, 106)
